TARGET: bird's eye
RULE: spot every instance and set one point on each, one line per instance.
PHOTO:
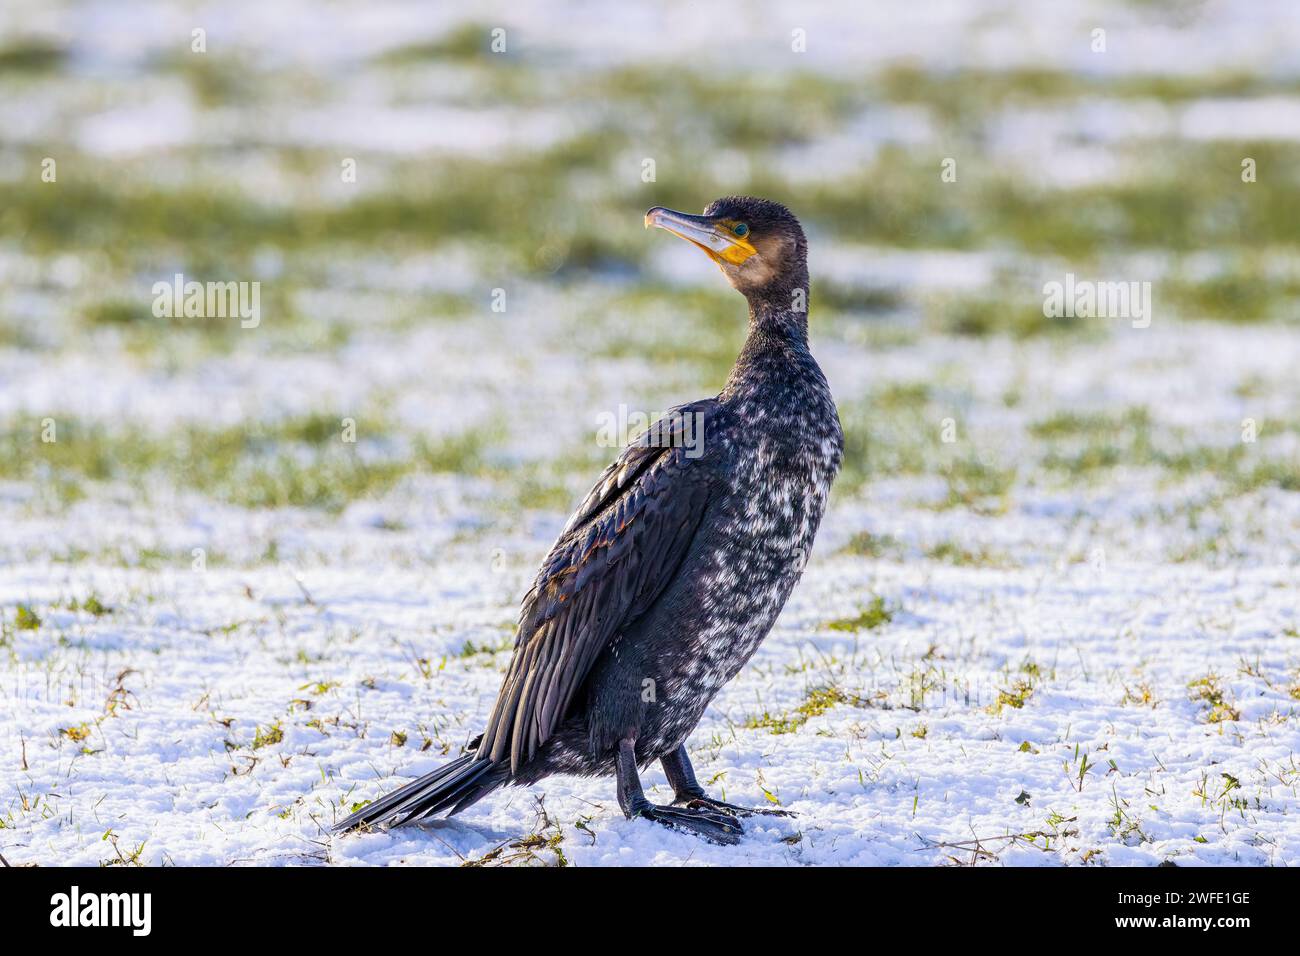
(740, 229)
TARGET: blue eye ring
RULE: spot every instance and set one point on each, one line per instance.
(740, 229)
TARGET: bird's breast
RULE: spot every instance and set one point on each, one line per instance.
(758, 542)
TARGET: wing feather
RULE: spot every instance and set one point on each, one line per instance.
(612, 561)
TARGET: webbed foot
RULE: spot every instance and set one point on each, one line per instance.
(713, 825)
(702, 802)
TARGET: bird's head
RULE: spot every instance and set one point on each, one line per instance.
(758, 244)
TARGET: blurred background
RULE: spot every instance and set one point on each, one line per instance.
(443, 204)
(523, 168)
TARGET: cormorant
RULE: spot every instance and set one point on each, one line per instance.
(674, 567)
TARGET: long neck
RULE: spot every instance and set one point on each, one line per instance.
(783, 318)
(777, 343)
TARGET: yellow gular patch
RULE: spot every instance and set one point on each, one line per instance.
(737, 253)
(738, 249)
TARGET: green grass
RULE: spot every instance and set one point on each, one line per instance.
(1243, 292)
(31, 56)
(977, 484)
(876, 614)
(732, 109)
(1102, 426)
(467, 41)
(1080, 445)
(882, 445)
(297, 462)
(978, 317)
(951, 552)
(1015, 696)
(864, 544)
(471, 650)
(703, 329)
(91, 604)
(516, 211)
(268, 736)
(25, 619)
(219, 79)
(130, 217)
(1209, 691)
(897, 433)
(1193, 201)
(855, 299)
(958, 95)
(817, 702)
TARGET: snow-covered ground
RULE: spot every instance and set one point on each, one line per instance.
(1065, 681)
(243, 721)
(1052, 617)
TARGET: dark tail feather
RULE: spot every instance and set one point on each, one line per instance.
(461, 782)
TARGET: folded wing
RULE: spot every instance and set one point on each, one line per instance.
(619, 551)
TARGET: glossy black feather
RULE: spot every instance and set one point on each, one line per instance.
(673, 569)
(618, 552)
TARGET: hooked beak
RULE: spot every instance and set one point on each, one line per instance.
(710, 235)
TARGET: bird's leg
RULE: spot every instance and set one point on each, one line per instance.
(631, 798)
(681, 776)
(712, 825)
(689, 793)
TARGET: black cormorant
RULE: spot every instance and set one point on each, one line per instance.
(675, 566)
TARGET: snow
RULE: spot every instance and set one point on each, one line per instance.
(866, 789)
(1102, 670)
(358, 630)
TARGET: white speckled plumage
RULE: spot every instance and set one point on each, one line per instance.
(674, 568)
